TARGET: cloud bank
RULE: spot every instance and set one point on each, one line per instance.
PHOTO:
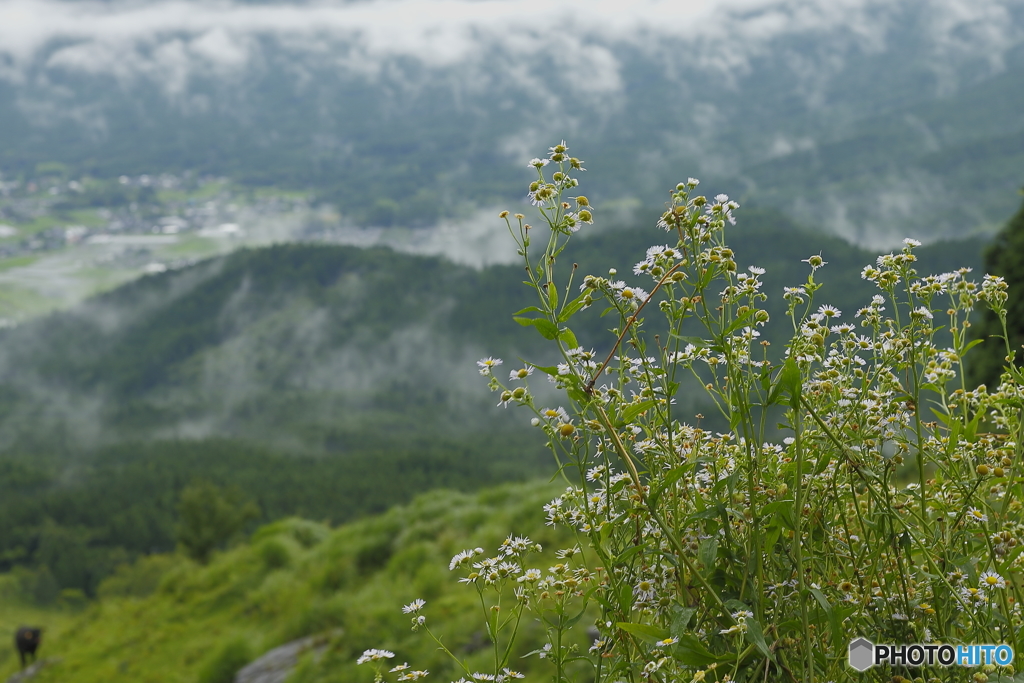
(170, 41)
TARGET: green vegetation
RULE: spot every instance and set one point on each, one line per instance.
(73, 525)
(167, 619)
(1003, 257)
(886, 504)
(208, 517)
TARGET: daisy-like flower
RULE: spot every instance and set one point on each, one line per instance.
(815, 261)
(555, 414)
(644, 591)
(976, 515)
(399, 667)
(667, 642)
(487, 364)
(973, 596)
(829, 311)
(756, 270)
(530, 576)
(413, 675)
(460, 559)
(521, 373)
(515, 546)
(796, 293)
(538, 163)
(631, 296)
(374, 655)
(910, 242)
(991, 581)
(414, 606)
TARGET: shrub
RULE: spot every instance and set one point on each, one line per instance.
(226, 661)
(274, 553)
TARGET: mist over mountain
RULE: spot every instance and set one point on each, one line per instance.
(309, 348)
(873, 119)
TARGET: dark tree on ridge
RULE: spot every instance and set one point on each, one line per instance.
(1005, 257)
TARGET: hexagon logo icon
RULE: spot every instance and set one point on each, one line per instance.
(862, 654)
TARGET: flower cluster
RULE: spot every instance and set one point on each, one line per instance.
(888, 500)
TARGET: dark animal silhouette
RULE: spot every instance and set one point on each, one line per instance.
(27, 641)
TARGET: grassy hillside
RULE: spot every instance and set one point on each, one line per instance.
(167, 619)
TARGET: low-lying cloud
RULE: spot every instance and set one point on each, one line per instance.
(169, 41)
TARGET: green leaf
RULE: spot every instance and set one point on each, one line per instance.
(681, 617)
(634, 409)
(577, 395)
(971, 345)
(569, 623)
(646, 632)
(708, 553)
(738, 322)
(626, 598)
(788, 381)
(837, 634)
(552, 295)
(569, 338)
(528, 309)
(699, 342)
(972, 427)
(547, 370)
(823, 460)
(784, 510)
(691, 652)
(628, 553)
(570, 308)
(755, 636)
(547, 329)
(672, 477)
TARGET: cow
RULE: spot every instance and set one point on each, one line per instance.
(27, 641)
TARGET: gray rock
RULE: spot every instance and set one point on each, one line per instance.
(277, 664)
(29, 672)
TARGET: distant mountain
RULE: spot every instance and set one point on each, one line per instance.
(873, 119)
